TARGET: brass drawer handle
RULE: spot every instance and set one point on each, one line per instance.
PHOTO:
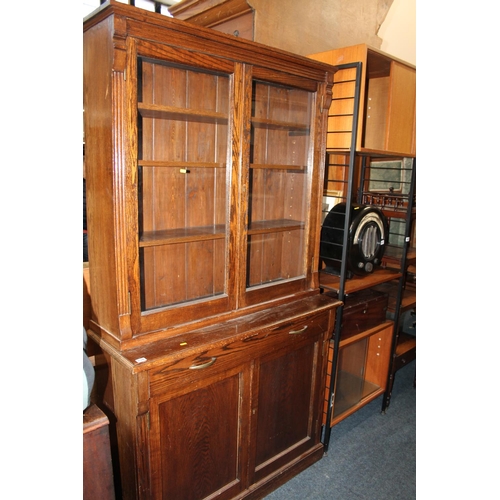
(203, 365)
(295, 332)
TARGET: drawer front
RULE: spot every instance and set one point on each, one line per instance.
(363, 311)
(236, 351)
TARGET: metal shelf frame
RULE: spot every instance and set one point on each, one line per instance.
(352, 193)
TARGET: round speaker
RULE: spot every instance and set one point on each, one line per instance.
(368, 231)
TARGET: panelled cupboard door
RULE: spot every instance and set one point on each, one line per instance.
(401, 111)
(224, 421)
(287, 421)
(198, 435)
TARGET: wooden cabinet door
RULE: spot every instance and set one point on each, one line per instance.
(198, 435)
(400, 135)
(288, 385)
(219, 425)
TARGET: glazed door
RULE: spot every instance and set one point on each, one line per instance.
(181, 162)
(280, 172)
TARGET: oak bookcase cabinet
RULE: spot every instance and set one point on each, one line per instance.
(204, 166)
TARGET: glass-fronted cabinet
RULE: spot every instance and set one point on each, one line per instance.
(183, 196)
(212, 205)
(185, 205)
(279, 184)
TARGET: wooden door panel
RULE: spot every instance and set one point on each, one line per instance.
(284, 398)
(288, 414)
(196, 442)
(401, 113)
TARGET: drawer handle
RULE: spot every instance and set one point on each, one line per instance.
(300, 330)
(203, 365)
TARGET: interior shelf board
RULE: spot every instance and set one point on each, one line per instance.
(406, 351)
(182, 235)
(357, 283)
(181, 164)
(272, 226)
(406, 343)
(346, 405)
(408, 300)
(301, 168)
(350, 339)
(378, 153)
(280, 125)
(174, 113)
(375, 153)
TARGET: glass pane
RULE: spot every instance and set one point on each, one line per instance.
(279, 184)
(351, 385)
(183, 128)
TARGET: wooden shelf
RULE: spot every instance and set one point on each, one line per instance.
(273, 226)
(408, 301)
(348, 400)
(406, 350)
(181, 164)
(394, 255)
(384, 153)
(182, 235)
(374, 166)
(406, 343)
(174, 113)
(357, 283)
(298, 168)
(376, 153)
(345, 341)
(280, 125)
(369, 396)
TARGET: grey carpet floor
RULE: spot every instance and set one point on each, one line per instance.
(372, 456)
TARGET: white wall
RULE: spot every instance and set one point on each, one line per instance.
(398, 31)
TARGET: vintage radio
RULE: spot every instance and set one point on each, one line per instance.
(366, 240)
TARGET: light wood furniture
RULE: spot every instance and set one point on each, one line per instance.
(204, 168)
(371, 161)
(387, 113)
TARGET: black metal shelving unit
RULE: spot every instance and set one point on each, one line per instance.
(368, 178)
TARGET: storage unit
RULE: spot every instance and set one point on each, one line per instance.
(387, 115)
(97, 465)
(204, 165)
(370, 169)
